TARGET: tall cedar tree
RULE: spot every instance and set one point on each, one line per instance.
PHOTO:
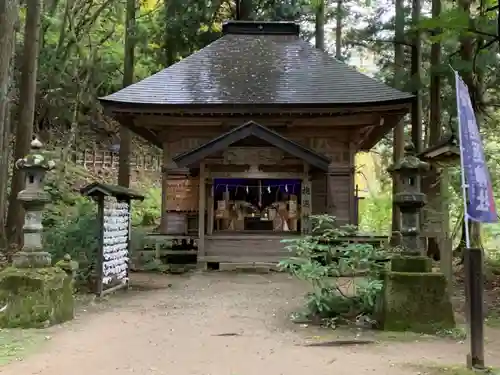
(24, 130)
(128, 79)
(8, 18)
(399, 130)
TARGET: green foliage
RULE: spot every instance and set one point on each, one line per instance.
(323, 258)
(147, 212)
(375, 213)
(76, 234)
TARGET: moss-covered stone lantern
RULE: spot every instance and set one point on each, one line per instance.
(33, 198)
(410, 199)
(414, 297)
(34, 294)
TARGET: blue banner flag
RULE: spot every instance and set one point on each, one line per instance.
(481, 203)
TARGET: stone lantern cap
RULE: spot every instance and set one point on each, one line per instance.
(409, 164)
(37, 158)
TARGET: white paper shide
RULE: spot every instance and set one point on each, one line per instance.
(115, 241)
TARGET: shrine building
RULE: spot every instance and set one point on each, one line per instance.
(259, 130)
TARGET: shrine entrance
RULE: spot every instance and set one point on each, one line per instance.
(255, 189)
(257, 205)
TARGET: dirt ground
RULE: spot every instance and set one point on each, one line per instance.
(220, 324)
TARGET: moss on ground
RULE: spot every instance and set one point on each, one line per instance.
(35, 298)
(416, 302)
(15, 344)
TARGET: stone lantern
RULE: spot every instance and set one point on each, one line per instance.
(414, 297)
(33, 198)
(33, 293)
(410, 199)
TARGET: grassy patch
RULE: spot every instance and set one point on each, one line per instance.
(493, 320)
(458, 333)
(16, 343)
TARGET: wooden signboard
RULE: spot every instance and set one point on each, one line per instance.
(182, 195)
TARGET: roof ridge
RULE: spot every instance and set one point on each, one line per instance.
(261, 28)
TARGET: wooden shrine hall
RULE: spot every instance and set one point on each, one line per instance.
(259, 130)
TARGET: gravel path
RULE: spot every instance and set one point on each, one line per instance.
(215, 324)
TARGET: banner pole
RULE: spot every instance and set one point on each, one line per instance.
(473, 266)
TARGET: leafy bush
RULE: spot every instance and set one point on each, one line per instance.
(148, 211)
(75, 234)
(322, 259)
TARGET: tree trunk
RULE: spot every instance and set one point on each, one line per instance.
(338, 30)
(399, 130)
(128, 79)
(434, 184)
(320, 25)
(467, 55)
(8, 19)
(416, 62)
(24, 131)
(246, 10)
(170, 42)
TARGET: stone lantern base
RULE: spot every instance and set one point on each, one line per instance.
(415, 299)
(35, 297)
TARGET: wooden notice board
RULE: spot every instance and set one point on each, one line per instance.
(182, 195)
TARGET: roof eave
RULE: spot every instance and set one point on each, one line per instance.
(224, 108)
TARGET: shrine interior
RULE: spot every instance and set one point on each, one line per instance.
(257, 205)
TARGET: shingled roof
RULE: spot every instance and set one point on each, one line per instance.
(258, 63)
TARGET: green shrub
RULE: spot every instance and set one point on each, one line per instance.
(76, 234)
(320, 260)
(147, 212)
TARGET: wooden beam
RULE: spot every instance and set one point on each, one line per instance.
(145, 133)
(351, 119)
(252, 109)
(256, 175)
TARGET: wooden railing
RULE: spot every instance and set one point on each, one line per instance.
(93, 159)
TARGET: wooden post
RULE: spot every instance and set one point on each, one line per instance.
(201, 212)
(164, 188)
(305, 212)
(100, 252)
(330, 192)
(352, 184)
(210, 210)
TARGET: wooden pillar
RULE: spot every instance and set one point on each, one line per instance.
(210, 208)
(352, 184)
(305, 212)
(330, 191)
(201, 211)
(166, 163)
